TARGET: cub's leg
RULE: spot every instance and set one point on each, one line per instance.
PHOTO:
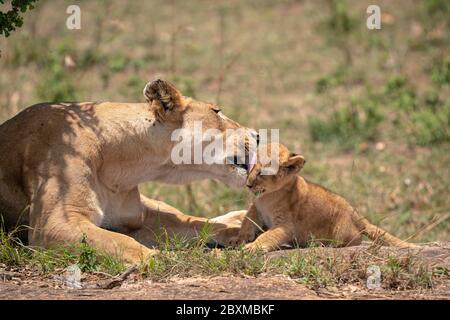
(345, 234)
(272, 239)
(161, 219)
(247, 232)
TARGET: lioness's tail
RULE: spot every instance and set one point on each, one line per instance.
(376, 234)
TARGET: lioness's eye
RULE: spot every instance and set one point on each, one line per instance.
(216, 110)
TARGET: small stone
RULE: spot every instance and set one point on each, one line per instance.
(387, 18)
(380, 146)
(73, 277)
(69, 62)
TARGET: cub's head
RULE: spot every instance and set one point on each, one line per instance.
(265, 177)
(175, 111)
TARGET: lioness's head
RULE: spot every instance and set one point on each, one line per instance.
(231, 165)
(264, 180)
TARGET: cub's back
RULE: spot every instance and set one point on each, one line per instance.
(324, 203)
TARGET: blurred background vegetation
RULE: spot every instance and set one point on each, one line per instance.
(369, 109)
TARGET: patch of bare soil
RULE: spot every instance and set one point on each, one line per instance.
(24, 284)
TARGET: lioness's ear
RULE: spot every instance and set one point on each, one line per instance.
(295, 162)
(163, 93)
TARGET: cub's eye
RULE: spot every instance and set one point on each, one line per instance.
(258, 173)
(216, 110)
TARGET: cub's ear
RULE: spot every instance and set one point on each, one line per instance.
(163, 93)
(295, 162)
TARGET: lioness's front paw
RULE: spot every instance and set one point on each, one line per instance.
(151, 252)
(253, 247)
(148, 254)
(141, 255)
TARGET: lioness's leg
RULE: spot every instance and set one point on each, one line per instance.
(161, 217)
(64, 227)
(272, 239)
(61, 214)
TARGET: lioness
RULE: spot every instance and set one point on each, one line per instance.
(294, 209)
(68, 169)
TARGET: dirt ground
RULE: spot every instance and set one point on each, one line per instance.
(18, 283)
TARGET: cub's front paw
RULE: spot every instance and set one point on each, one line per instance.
(234, 241)
(237, 241)
(240, 239)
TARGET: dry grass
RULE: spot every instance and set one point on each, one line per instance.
(271, 64)
(315, 267)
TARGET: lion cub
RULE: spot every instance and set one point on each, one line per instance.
(296, 210)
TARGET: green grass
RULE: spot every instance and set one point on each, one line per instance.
(394, 90)
(58, 83)
(313, 267)
(14, 253)
(336, 78)
(117, 63)
(310, 68)
(421, 119)
(181, 258)
(441, 72)
(359, 122)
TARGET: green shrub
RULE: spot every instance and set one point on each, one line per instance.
(432, 100)
(431, 126)
(358, 121)
(117, 63)
(340, 22)
(395, 84)
(334, 79)
(423, 115)
(400, 94)
(133, 86)
(90, 58)
(87, 260)
(58, 84)
(185, 84)
(437, 10)
(25, 52)
(440, 73)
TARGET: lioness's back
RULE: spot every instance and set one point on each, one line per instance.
(26, 141)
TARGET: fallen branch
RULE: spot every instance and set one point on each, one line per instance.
(117, 280)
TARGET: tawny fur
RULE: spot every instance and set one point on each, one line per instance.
(296, 210)
(68, 169)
